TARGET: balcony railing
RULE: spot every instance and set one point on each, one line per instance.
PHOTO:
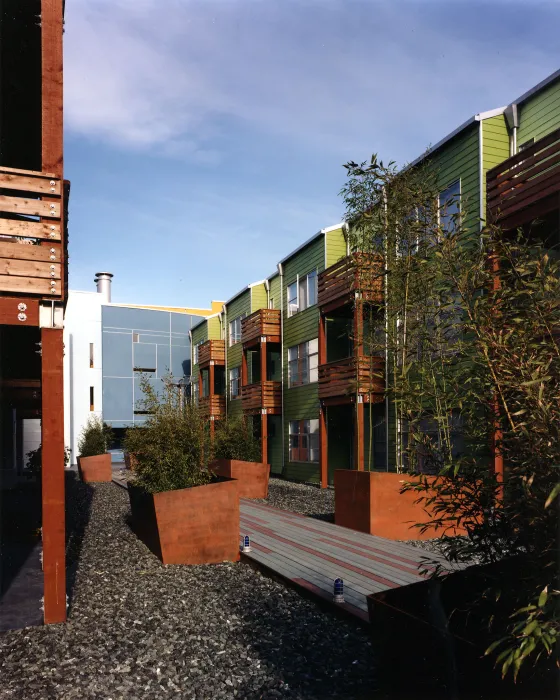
(264, 395)
(212, 351)
(262, 323)
(351, 376)
(214, 405)
(358, 272)
(32, 248)
(526, 185)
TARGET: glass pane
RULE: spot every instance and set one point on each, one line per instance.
(314, 426)
(293, 372)
(305, 427)
(313, 346)
(304, 368)
(292, 353)
(449, 206)
(294, 427)
(312, 288)
(303, 294)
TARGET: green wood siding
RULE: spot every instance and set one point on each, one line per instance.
(275, 293)
(459, 160)
(495, 146)
(275, 444)
(199, 335)
(540, 114)
(259, 297)
(240, 305)
(336, 246)
(300, 402)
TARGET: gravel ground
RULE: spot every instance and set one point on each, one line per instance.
(140, 630)
(306, 499)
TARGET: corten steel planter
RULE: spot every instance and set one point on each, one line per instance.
(371, 502)
(97, 468)
(438, 631)
(130, 461)
(252, 477)
(198, 525)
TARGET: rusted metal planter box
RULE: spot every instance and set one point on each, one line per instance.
(371, 502)
(252, 477)
(95, 469)
(198, 525)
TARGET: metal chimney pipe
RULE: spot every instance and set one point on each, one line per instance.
(103, 282)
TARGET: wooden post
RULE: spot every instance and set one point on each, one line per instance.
(52, 421)
(264, 437)
(211, 382)
(52, 428)
(263, 360)
(498, 460)
(358, 354)
(323, 435)
(244, 373)
(323, 447)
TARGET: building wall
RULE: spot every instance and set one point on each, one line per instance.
(240, 305)
(210, 329)
(335, 246)
(140, 339)
(275, 290)
(495, 147)
(540, 114)
(82, 326)
(302, 402)
(259, 297)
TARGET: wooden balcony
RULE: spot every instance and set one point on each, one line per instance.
(356, 273)
(351, 376)
(32, 239)
(214, 405)
(264, 395)
(212, 351)
(525, 186)
(263, 323)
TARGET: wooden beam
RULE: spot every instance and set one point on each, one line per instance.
(49, 230)
(52, 426)
(29, 285)
(359, 436)
(10, 311)
(29, 268)
(26, 183)
(52, 91)
(37, 253)
(264, 438)
(30, 207)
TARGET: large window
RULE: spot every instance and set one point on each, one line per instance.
(304, 440)
(303, 363)
(235, 330)
(195, 351)
(449, 205)
(302, 293)
(234, 375)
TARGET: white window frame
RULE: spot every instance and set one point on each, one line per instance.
(303, 304)
(234, 380)
(233, 337)
(304, 444)
(306, 353)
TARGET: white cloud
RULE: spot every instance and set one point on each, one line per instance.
(334, 74)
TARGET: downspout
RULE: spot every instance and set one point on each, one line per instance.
(192, 364)
(267, 287)
(385, 285)
(281, 274)
(481, 178)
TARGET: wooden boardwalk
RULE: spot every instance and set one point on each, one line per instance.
(312, 553)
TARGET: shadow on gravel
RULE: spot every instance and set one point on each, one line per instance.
(326, 517)
(318, 654)
(79, 497)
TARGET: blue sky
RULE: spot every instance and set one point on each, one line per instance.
(205, 139)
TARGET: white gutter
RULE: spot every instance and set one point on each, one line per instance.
(281, 274)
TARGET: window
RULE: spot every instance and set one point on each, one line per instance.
(91, 355)
(205, 382)
(195, 352)
(303, 363)
(271, 303)
(449, 204)
(302, 293)
(235, 330)
(195, 393)
(234, 382)
(91, 401)
(525, 145)
(304, 440)
(135, 337)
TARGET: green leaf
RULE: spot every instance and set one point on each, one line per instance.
(530, 627)
(552, 495)
(543, 597)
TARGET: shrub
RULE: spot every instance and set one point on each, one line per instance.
(172, 446)
(35, 460)
(95, 438)
(234, 439)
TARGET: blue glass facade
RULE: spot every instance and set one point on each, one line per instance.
(136, 341)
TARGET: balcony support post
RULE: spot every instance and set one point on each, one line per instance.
(264, 436)
(243, 367)
(323, 447)
(359, 435)
(264, 376)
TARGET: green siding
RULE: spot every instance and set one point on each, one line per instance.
(199, 335)
(459, 160)
(214, 328)
(301, 402)
(275, 444)
(240, 305)
(540, 114)
(259, 297)
(275, 293)
(495, 146)
(335, 245)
